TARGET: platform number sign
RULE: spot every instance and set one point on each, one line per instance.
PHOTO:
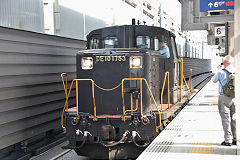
(220, 31)
(213, 5)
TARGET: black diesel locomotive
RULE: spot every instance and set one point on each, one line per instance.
(125, 91)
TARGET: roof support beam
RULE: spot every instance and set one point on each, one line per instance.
(213, 19)
(193, 19)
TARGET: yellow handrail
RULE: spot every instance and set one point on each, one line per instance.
(132, 110)
(177, 79)
(77, 103)
(67, 93)
(166, 76)
(66, 103)
(64, 83)
(124, 111)
(186, 83)
(181, 78)
(77, 97)
(141, 101)
(190, 80)
(159, 112)
(123, 101)
(132, 104)
(106, 89)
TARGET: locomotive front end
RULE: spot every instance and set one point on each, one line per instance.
(111, 107)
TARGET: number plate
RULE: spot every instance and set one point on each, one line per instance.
(110, 58)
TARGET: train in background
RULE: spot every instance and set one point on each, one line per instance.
(126, 91)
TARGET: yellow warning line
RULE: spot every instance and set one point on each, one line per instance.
(213, 104)
(203, 149)
(205, 144)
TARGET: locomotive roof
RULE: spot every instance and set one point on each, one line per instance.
(117, 50)
(151, 28)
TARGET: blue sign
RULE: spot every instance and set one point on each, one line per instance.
(213, 5)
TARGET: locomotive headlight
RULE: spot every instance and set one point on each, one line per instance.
(87, 63)
(136, 62)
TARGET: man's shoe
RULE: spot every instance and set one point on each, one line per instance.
(234, 142)
(226, 144)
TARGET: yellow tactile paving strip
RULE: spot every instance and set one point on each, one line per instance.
(203, 150)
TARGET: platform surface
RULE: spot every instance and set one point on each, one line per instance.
(195, 133)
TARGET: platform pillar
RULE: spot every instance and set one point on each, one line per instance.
(237, 67)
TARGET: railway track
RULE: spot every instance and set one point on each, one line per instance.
(55, 153)
(61, 155)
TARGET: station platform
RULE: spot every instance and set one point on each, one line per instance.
(195, 133)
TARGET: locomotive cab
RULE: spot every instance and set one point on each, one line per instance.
(148, 38)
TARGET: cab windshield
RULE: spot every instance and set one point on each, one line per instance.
(143, 42)
(110, 42)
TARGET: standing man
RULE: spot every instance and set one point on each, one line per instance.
(164, 50)
(226, 105)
